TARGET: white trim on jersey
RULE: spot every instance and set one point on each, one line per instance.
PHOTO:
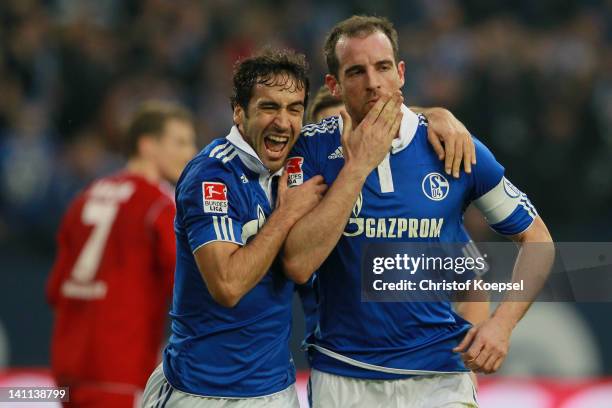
(265, 182)
(497, 205)
(373, 367)
(216, 149)
(385, 177)
(247, 155)
(224, 228)
(221, 231)
(528, 206)
(230, 156)
(216, 226)
(327, 125)
(215, 240)
(408, 128)
(235, 138)
(231, 228)
(225, 152)
(159, 389)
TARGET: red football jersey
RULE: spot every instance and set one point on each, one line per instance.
(112, 281)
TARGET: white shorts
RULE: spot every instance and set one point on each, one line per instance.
(428, 391)
(160, 394)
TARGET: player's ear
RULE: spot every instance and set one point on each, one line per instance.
(401, 69)
(333, 85)
(238, 116)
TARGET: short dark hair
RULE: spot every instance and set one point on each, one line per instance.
(353, 27)
(263, 68)
(150, 120)
(323, 99)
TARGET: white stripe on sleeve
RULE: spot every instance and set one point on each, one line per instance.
(231, 229)
(230, 156)
(216, 225)
(216, 149)
(224, 228)
(226, 151)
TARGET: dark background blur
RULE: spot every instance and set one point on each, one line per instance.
(532, 79)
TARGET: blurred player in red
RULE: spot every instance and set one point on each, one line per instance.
(112, 279)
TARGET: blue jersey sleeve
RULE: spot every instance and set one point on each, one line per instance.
(312, 150)
(209, 204)
(487, 173)
(507, 209)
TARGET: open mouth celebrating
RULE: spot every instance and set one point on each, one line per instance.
(275, 144)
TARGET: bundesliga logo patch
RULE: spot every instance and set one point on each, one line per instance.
(294, 171)
(215, 197)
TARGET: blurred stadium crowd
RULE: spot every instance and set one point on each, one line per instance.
(532, 79)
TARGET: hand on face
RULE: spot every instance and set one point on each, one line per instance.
(367, 145)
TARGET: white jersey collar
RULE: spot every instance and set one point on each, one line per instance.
(408, 128)
(247, 155)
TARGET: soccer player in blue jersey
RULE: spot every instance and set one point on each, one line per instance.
(409, 354)
(322, 106)
(231, 311)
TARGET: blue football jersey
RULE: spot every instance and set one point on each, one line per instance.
(225, 194)
(308, 294)
(407, 198)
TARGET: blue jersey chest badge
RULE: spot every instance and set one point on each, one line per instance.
(435, 186)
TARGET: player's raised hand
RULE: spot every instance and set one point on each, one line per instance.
(366, 145)
(451, 141)
(298, 201)
(485, 346)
